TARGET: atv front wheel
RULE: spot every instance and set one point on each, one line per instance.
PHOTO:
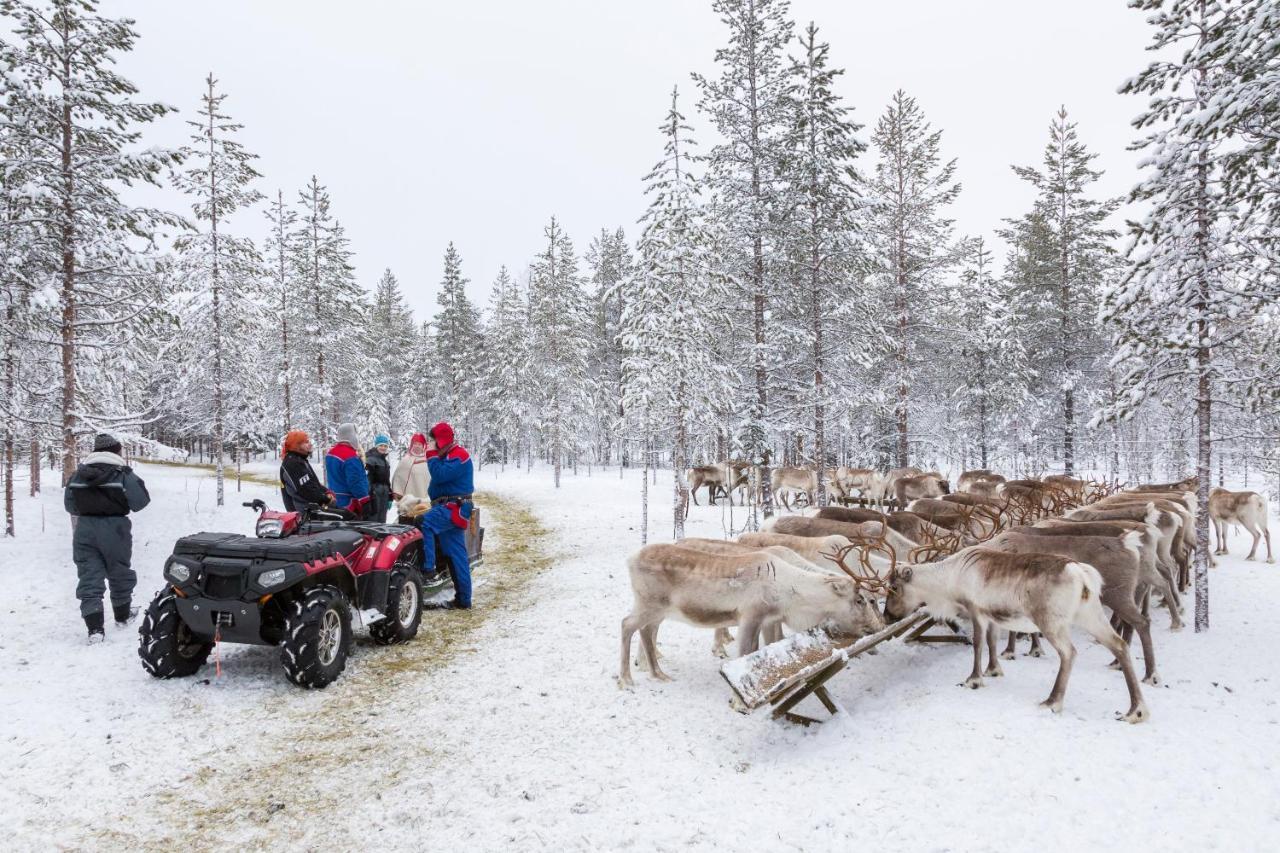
(317, 637)
(168, 648)
(404, 608)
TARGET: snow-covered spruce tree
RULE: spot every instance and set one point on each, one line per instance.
(560, 321)
(908, 243)
(1177, 313)
(78, 152)
(503, 368)
(220, 269)
(1062, 305)
(610, 263)
(282, 304)
(457, 328)
(330, 303)
(674, 291)
(750, 105)
(386, 399)
(821, 225)
(984, 354)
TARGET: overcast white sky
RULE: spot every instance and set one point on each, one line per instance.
(475, 121)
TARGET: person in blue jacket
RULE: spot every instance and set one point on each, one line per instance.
(446, 522)
(345, 469)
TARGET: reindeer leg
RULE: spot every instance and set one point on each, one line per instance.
(749, 634)
(1091, 618)
(1011, 648)
(722, 639)
(648, 641)
(1266, 531)
(974, 681)
(993, 669)
(630, 624)
(1257, 537)
(1035, 651)
(1059, 637)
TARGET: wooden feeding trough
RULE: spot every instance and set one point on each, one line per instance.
(785, 672)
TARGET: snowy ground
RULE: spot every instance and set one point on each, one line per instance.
(521, 738)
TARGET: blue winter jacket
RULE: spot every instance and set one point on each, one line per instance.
(347, 478)
(450, 474)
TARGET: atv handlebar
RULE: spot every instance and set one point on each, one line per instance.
(257, 504)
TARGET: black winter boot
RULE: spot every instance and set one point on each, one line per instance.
(94, 622)
(124, 613)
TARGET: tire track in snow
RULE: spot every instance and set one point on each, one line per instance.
(292, 783)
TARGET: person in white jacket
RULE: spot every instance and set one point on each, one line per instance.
(411, 476)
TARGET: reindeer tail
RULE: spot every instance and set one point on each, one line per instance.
(1089, 578)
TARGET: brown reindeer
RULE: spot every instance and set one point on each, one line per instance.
(751, 590)
(1019, 592)
(1247, 509)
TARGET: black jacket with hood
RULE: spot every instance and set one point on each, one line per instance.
(104, 485)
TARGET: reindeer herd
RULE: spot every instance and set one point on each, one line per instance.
(1032, 557)
(732, 478)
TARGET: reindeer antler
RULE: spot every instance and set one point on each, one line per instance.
(869, 579)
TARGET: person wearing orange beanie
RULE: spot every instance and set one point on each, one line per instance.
(299, 484)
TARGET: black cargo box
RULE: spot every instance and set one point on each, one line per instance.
(297, 549)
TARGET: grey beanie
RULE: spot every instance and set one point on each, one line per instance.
(105, 442)
(347, 433)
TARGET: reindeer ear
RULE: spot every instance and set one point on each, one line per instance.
(841, 586)
(904, 574)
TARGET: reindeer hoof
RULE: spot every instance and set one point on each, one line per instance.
(625, 683)
(1054, 706)
(1139, 714)
(973, 682)
(719, 653)
(1008, 655)
(1115, 664)
(1153, 679)
(993, 672)
(1176, 626)
(1035, 653)
(662, 676)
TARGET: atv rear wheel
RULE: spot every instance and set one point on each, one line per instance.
(317, 637)
(404, 607)
(168, 648)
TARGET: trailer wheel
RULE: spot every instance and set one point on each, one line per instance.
(317, 637)
(168, 648)
(404, 607)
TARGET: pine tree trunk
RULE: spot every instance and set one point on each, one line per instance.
(68, 296)
(35, 466)
(1204, 407)
(9, 529)
(679, 455)
(10, 421)
(903, 454)
(761, 407)
(644, 497)
(285, 366)
(216, 285)
(982, 430)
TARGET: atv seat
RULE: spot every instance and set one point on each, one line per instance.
(301, 549)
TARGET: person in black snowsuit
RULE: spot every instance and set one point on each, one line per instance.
(299, 484)
(379, 469)
(101, 494)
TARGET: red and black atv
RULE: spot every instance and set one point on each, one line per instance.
(293, 585)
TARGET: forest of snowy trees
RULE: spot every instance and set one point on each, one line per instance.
(795, 291)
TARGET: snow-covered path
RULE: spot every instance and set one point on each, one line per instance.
(521, 739)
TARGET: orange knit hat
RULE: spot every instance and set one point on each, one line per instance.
(293, 440)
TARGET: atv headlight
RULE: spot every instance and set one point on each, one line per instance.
(271, 578)
(177, 571)
(269, 528)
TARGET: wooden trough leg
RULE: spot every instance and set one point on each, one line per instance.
(814, 686)
(921, 635)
